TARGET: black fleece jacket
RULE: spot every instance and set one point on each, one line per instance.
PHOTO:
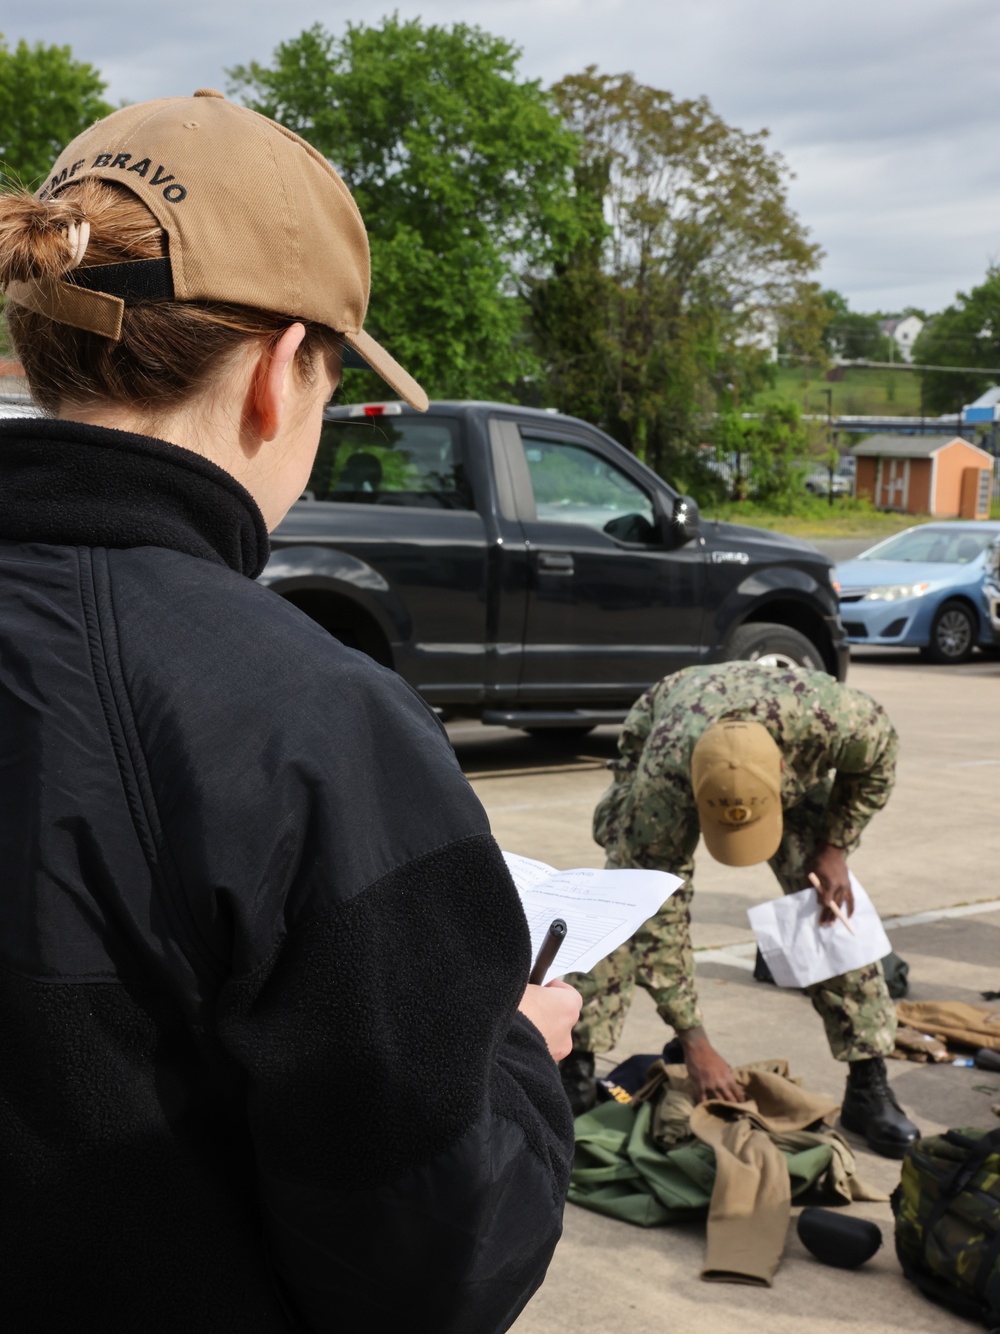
(260, 1063)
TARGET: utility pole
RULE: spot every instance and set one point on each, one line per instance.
(740, 484)
(829, 444)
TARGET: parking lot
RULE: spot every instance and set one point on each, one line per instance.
(930, 861)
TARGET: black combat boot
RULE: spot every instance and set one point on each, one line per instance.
(870, 1109)
(577, 1075)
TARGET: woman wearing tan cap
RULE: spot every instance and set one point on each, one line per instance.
(263, 1066)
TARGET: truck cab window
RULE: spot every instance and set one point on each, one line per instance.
(402, 461)
(574, 485)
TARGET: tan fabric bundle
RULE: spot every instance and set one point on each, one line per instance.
(953, 1022)
(751, 1200)
(920, 1047)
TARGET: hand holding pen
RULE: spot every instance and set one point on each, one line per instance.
(547, 952)
(555, 1007)
(830, 904)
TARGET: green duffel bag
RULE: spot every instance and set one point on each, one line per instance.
(947, 1210)
(618, 1170)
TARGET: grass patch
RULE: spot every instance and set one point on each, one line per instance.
(813, 517)
(861, 393)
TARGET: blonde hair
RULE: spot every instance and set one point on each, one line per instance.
(168, 352)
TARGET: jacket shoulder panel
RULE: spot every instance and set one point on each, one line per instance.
(288, 772)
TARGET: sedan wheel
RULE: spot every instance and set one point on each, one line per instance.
(953, 634)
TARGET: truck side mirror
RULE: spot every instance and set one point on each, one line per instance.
(685, 522)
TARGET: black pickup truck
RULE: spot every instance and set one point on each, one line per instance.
(521, 567)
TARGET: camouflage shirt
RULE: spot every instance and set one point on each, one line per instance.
(648, 816)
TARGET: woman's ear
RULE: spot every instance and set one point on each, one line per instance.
(269, 384)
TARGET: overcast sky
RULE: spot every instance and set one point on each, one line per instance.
(885, 110)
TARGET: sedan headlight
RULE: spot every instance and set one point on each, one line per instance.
(895, 592)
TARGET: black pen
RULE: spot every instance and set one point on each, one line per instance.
(554, 937)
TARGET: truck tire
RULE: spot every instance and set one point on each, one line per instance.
(953, 634)
(773, 645)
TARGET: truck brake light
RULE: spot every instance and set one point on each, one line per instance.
(375, 410)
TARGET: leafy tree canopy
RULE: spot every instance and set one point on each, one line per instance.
(462, 174)
(769, 453)
(691, 261)
(851, 335)
(46, 98)
(966, 334)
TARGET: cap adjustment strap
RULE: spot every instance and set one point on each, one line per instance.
(95, 298)
(68, 304)
(133, 280)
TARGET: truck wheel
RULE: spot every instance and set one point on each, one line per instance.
(953, 634)
(773, 646)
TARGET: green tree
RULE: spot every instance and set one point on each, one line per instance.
(966, 334)
(46, 98)
(767, 453)
(851, 335)
(690, 258)
(778, 443)
(803, 320)
(461, 170)
(571, 310)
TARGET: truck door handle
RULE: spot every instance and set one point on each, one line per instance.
(554, 562)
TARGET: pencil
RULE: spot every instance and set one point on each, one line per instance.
(835, 908)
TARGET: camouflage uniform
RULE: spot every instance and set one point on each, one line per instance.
(839, 752)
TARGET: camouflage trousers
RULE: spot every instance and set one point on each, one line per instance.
(856, 1009)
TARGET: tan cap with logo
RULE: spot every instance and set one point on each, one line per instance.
(736, 775)
(252, 213)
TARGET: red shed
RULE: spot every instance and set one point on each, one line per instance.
(929, 474)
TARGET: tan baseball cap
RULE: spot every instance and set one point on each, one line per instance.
(252, 214)
(736, 775)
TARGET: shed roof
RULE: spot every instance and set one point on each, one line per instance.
(909, 446)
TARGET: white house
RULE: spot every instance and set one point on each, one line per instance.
(903, 332)
(759, 329)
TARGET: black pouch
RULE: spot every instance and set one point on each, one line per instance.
(897, 975)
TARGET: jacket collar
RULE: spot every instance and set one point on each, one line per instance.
(70, 484)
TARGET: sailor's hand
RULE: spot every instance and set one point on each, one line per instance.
(709, 1072)
(553, 1009)
(829, 866)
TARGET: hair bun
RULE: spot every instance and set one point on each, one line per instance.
(38, 238)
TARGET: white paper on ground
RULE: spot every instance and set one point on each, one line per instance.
(799, 951)
(601, 909)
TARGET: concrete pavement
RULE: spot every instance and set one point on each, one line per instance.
(933, 854)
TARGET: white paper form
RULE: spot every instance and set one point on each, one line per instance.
(601, 909)
(799, 951)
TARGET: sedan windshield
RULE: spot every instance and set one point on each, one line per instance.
(949, 546)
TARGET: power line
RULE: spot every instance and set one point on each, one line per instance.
(915, 366)
(862, 363)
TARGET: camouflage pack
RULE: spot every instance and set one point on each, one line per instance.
(947, 1210)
